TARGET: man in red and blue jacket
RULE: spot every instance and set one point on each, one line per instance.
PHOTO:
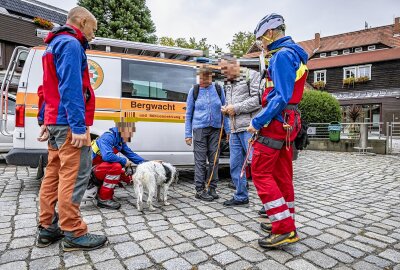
(108, 166)
(66, 112)
(277, 125)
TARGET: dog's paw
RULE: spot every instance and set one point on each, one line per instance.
(167, 203)
(139, 207)
(151, 208)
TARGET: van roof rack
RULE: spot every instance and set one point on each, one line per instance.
(137, 48)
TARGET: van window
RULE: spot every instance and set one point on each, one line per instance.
(156, 80)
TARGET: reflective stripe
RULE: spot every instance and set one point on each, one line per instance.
(112, 177)
(108, 185)
(292, 214)
(290, 204)
(299, 74)
(279, 216)
(274, 204)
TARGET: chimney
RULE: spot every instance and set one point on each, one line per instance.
(396, 28)
(317, 40)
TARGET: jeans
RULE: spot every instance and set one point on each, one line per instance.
(238, 145)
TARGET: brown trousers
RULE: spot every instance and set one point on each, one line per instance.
(65, 181)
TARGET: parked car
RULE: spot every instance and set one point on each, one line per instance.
(6, 142)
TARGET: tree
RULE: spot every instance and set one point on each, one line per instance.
(122, 19)
(183, 43)
(241, 43)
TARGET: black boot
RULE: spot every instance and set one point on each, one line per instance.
(109, 204)
(204, 196)
(262, 212)
(213, 193)
(47, 237)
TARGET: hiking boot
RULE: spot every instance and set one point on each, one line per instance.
(204, 196)
(266, 227)
(233, 202)
(46, 237)
(262, 212)
(231, 185)
(85, 242)
(277, 240)
(109, 204)
(213, 193)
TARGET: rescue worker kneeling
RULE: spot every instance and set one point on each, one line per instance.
(109, 168)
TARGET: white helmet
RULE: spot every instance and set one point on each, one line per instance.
(271, 21)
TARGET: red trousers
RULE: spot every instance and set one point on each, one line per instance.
(272, 172)
(110, 174)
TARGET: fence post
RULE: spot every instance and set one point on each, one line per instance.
(387, 138)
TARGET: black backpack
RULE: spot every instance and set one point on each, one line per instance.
(196, 89)
(301, 142)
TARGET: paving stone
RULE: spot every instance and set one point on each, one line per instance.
(301, 264)
(209, 266)
(193, 234)
(270, 264)
(360, 246)
(111, 264)
(196, 257)
(101, 255)
(239, 265)
(231, 242)
(163, 254)
(226, 257)
(177, 264)
(74, 258)
(382, 263)
(183, 248)
(329, 238)
(381, 237)
(391, 255)
(356, 253)
(341, 256)
(22, 242)
(214, 249)
(247, 236)
(45, 263)
(296, 249)
(365, 266)
(14, 255)
(19, 265)
(170, 237)
(206, 224)
(128, 249)
(139, 262)
(151, 244)
(320, 259)
(279, 256)
(205, 241)
(313, 243)
(370, 241)
(216, 232)
(184, 226)
(251, 254)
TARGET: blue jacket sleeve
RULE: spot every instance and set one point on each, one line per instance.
(284, 76)
(132, 156)
(227, 127)
(68, 62)
(189, 114)
(106, 146)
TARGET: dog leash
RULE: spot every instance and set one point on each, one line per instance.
(249, 148)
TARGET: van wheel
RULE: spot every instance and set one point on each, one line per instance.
(40, 169)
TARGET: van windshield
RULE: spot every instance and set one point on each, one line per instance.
(156, 80)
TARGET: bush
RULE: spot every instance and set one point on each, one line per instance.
(319, 107)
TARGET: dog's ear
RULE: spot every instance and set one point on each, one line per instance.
(176, 177)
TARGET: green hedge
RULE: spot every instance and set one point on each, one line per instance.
(319, 107)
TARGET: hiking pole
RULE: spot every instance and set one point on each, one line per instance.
(249, 148)
(216, 154)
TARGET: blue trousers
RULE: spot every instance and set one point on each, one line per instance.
(238, 145)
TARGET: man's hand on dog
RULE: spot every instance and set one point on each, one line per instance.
(128, 163)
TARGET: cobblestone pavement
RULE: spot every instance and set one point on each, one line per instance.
(348, 217)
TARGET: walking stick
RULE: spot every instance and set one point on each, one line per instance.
(249, 147)
(216, 154)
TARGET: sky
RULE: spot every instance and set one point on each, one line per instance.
(219, 20)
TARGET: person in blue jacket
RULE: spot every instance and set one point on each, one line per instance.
(108, 167)
(203, 122)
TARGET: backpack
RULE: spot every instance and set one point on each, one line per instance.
(302, 141)
(196, 90)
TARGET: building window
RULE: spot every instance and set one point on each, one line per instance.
(357, 72)
(322, 55)
(371, 48)
(349, 72)
(364, 71)
(346, 51)
(357, 50)
(320, 76)
(334, 53)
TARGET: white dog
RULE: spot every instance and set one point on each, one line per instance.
(154, 176)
